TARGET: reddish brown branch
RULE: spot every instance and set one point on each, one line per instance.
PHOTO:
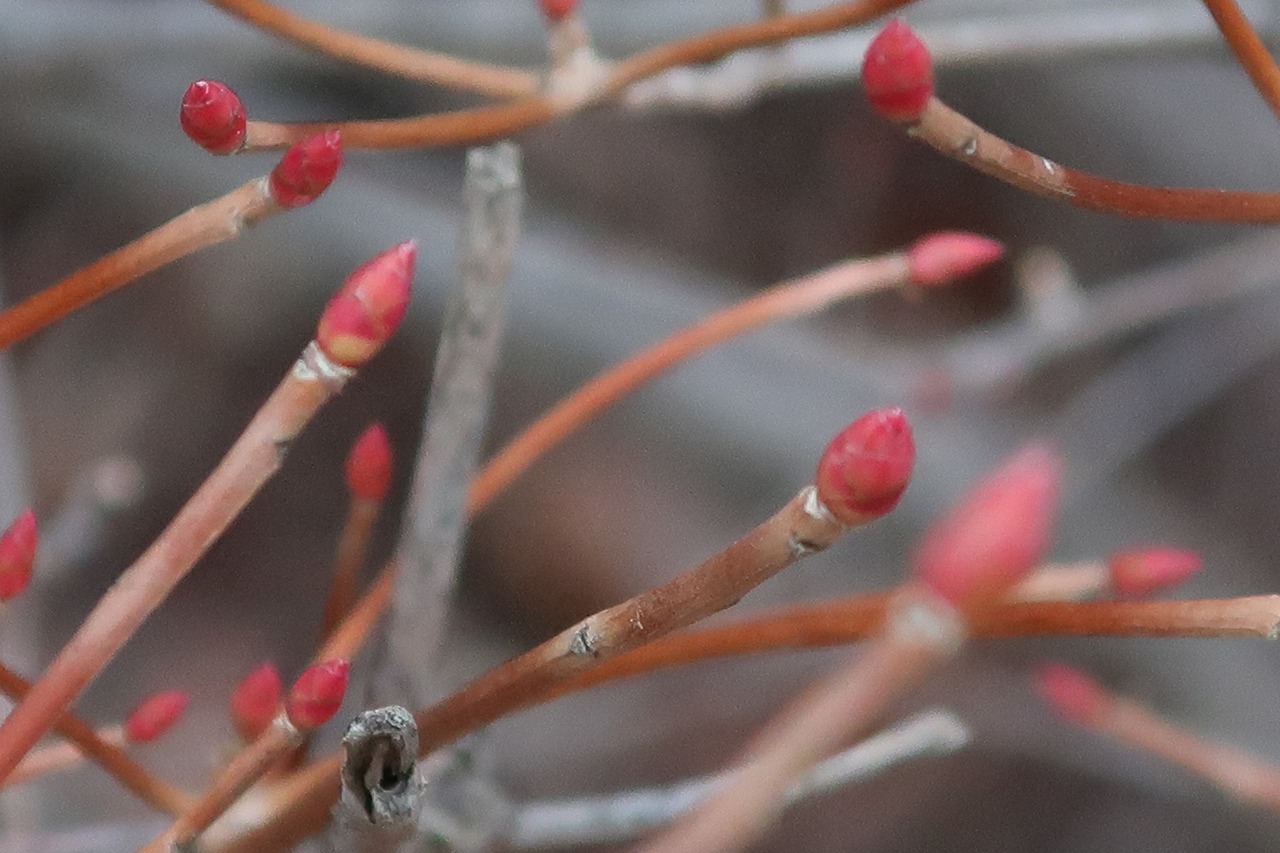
(1249, 49)
(133, 776)
(411, 63)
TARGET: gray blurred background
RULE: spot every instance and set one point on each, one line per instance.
(639, 221)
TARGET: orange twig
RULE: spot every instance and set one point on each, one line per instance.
(133, 776)
(215, 222)
(411, 63)
(353, 545)
(476, 125)
(1249, 50)
(960, 138)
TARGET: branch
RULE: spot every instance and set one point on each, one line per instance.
(410, 63)
(1249, 49)
(478, 125)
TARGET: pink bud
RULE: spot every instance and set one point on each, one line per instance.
(1141, 572)
(368, 308)
(17, 555)
(997, 533)
(155, 716)
(369, 464)
(317, 694)
(947, 255)
(306, 170)
(1072, 693)
(256, 700)
(865, 469)
(897, 73)
(557, 10)
(213, 116)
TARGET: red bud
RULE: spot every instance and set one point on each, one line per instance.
(17, 555)
(307, 169)
(1142, 572)
(368, 308)
(155, 716)
(256, 701)
(317, 694)
(1072, 693)
(865, 469)
(996, 534)
(897, 73)
(213, 116)
(940, 258)
(557, 10)
(369, 465)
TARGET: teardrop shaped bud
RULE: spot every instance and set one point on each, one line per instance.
(213, 116)
(866, 467)
(369, 465)
(306, 169)
(256, 701)
(368, 308)
(317, 694)
(155, 716)
(17, 555)
(897, 73)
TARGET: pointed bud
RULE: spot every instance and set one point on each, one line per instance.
(369, 464)
(17, 555)
(256, 701)
(1141, 572)
(155, 716)
(997, 533)
(213, 116)
(897, 73)
(1072, 693)
(368, 308)
(306, 169)
(948, 255)
(317, 694)
(865, 469)
(557, 10)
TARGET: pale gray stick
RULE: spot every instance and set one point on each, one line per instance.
(457, 408)
(623, 815)
(381, 798)
(107, 487)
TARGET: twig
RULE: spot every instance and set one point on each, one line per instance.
(209, 224)
(410, 63)
(382, 789)
(486, 123)
(453, 429)
(948, 256)
(354, 326)
(1240, 774)
(1249, 49)
(133, 776)
(615, 817)
(313, 700)
(60, 756)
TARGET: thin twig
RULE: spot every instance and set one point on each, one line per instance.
(353, 546)
(209, 224)
(477, 125)
(798, 298)
(623, 815)
(133, 776)
(250, 462)
(60, 756)
(1252, 54)
(920, 634)
(958, 137)
(457, 408)
(411, 63)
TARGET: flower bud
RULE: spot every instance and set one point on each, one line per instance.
(865, 469)
(897, 73)
(317, 694)
(213, 117)
(368, 308)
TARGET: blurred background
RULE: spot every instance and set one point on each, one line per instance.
(1147, 350)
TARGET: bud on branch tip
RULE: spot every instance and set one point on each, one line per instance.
(947, 255)
(865, 469)
(256, 700)
(155, 716)
(996, 534)
(557, 10)
(213, 117)
(368, 308)
(897, 73)
(1141, 572)
(306, 169)
(369, 465)
(17, 555)
(317, 694)
(1071, 692)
